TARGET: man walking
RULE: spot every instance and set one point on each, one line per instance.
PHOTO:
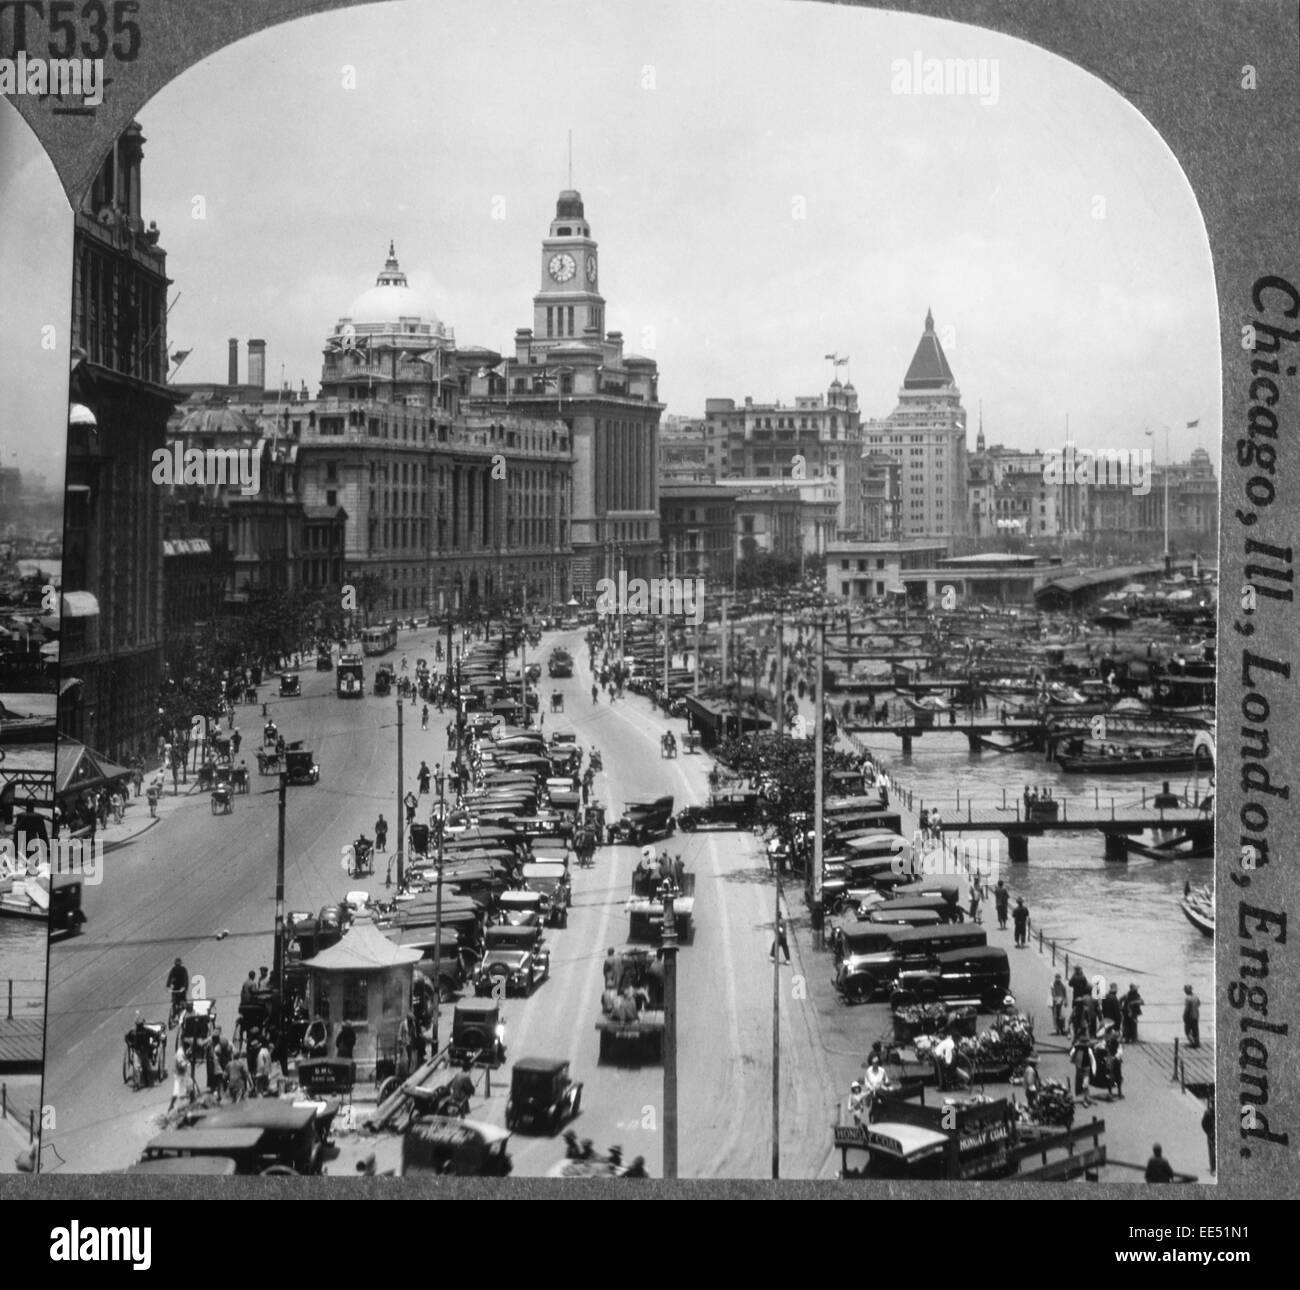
(781, 941)
(1191, 1017)
(1002, 900)
(1020, 916)
(381, 833)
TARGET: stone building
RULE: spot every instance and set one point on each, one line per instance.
(926, 435)
(113, 550)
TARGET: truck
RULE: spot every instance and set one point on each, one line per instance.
(645, 907)
(631, 1027)
(350, 677)
(963, 1138)
(560, 664)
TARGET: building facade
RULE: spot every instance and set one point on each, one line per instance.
(698, 526)
(926, 435)
(819, 437)
(113, 546)
(567, 367)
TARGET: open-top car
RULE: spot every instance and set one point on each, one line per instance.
(727, 810)
(542, 1093)
(445, 1145)
(514, 959)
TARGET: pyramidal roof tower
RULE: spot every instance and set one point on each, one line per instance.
(929, 368)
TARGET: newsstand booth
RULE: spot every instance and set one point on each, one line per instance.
(365, 980)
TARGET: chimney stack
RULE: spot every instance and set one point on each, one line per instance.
(232, 375)
(257, 364)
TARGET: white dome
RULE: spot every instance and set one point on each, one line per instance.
(388, 304)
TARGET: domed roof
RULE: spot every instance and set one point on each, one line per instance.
(390, 299)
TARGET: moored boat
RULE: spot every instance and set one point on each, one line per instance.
(1198, 908)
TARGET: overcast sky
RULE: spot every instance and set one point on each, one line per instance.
(35, 294)
(760, 194)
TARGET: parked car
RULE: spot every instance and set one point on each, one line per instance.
(514, 959)
(542, 1093)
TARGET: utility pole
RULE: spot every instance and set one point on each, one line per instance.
(780, 672)
(818, 794)
(722, 644)
(776, 1030)
(622, 596)
(523, 676)
(437, 913)
(669, 946)
(281, 1051)
(401, 805)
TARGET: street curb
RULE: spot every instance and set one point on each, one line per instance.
(126, 842)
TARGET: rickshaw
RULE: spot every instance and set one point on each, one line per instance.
(250, 694)
(557, 701)
(268, 763)
(223, 799)
(207, 775)
(197, 1023)
(145, 1059)
(239, 778)
(419, 840)
(361, 858)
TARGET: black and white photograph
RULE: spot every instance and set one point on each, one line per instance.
(632, 594)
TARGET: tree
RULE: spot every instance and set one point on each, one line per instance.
(765, 570)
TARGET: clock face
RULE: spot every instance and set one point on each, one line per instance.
(562, 267)
(591, 269)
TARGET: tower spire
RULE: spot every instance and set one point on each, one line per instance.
(570, 158)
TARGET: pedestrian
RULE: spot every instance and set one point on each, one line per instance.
(1085, 1067)
(781, 941)
(1207, 1127)
(152, 796)
(1002, 901)
(237, 1076)
(975, 902)
(137, 778)
(1131, 1007)
(345, 1042)
(1059, 996)
(1115, 1061)
(410, 801)
(381, 833)
(424, 717)
(248, 991)
(235, 740)
(412, 1042)
(182, 1082)
(1158, 1168)
(610, 969)
(220, 1056)
(1111, 1008)
(423, 777)
(1191, 1017)
(1020, 916)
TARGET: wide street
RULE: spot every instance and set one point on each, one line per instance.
(194, 876)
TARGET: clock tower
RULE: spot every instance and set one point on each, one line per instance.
(569, 306)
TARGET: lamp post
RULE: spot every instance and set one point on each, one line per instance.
(278, 960)
(818, 759)
(401, 805)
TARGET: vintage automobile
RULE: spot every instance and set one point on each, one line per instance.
(203, 1151)
(65, 914)
(324, 661)
(383, 679)
(550, 880)
(290, 1136)
(542, 1093)
(465, 1148)
(979, 973)
(514, 958)
(560, 664)
(290, 685)
(477, 1034)
(300, 764)
(644, 822)
(522, 908)
(728, 810)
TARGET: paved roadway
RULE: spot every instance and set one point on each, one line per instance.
(194, 875)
